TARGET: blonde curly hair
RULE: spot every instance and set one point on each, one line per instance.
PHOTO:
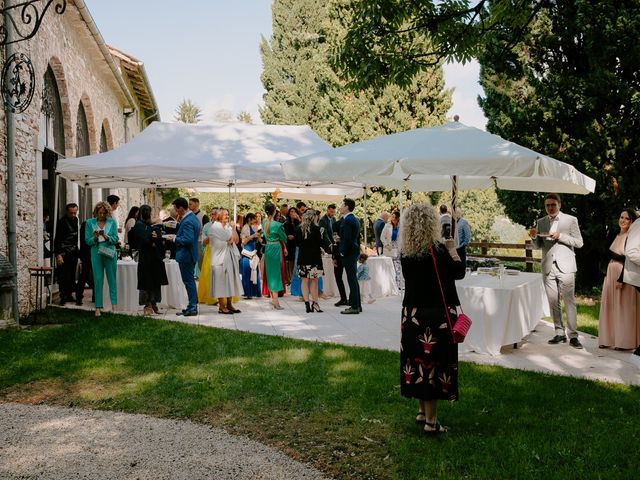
(419, 229)
(99, 206)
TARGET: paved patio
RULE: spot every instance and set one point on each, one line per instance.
(378, 327)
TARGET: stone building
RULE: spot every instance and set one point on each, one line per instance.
(89, 98)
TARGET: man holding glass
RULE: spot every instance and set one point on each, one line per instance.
(558, 234)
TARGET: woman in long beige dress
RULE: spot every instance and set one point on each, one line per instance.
(620, 305)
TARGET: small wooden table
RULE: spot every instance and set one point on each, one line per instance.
(40, 274)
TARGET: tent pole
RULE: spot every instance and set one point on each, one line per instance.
(454, 200)
(235, 202)
(365, 218)
(56, 180)
(229, 196)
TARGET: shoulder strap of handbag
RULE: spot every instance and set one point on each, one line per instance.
(444, 302)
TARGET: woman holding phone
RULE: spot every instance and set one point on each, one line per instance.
(101, 235)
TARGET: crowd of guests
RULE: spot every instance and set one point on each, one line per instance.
(259, 254)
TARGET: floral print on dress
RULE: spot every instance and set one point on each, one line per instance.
(428, 357)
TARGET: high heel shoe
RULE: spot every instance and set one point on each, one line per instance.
(277, 306)
(307, 305)
(315, 307)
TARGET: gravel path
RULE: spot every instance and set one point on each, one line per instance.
(42, 442)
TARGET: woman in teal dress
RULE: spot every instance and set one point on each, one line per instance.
(273, 234)
(101, 235)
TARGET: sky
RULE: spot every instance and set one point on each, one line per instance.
(208, 51)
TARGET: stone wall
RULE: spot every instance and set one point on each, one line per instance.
(82, 75)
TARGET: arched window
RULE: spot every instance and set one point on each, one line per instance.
(82, 133)
(83, 149)
(52, 110)
(104, 147)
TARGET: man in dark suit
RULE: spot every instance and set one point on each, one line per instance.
(349, 247)
(326, 224)
(187, 253)
(65, 248)
(338, 267)
(329, 226)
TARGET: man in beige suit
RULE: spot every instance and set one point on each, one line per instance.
(631, 273)
(632, 256)
(558, 234)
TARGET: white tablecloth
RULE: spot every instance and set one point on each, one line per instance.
(383, 277)
(503, 311)
(174, 295)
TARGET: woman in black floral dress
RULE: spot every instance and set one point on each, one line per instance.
(310, 240)
(429, 358)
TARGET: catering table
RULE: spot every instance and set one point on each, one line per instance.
(174, 295)
(383, 277)
(503, 311)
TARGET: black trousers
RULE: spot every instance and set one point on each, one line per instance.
(462, 253)
(67, 275)
(337, 270)
(85, 278)
(350, 263)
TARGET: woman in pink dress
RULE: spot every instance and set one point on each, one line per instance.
(620, 305)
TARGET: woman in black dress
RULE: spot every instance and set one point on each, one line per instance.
(147, 239)
(310, 240)
(428, 356)
(292, 221)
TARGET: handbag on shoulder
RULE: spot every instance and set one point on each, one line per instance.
(463, 323)
(106, 251)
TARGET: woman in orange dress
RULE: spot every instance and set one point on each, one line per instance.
(620, 305)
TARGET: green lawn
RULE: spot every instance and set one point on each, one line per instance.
(588, 314)
(337, 408)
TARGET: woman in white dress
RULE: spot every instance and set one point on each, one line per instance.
(225, 263)
(390, 242)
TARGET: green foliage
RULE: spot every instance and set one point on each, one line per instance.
(244, 117)
(386, 44)
(188, 112)
(571, 90)
(303, 88)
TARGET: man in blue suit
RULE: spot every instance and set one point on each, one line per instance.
(187, 252)
(349, 252)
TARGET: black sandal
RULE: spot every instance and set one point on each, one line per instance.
(436, 428)
(421, 419)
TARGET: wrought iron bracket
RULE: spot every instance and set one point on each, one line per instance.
(23, 19)
(17, 83)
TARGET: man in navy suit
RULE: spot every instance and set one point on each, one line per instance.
(349, 251)
(187, 252)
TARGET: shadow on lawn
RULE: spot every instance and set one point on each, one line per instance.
(334, 406)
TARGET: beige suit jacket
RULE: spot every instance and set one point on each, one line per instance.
(560, 251)
(632, 255)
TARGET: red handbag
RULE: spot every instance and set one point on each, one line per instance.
(463, 322)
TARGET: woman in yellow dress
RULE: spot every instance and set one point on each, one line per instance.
(204, 284)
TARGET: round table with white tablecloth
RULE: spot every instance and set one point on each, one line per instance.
(503, 310)
(381, 270)
(174, 294)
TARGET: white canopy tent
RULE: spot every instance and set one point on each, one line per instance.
(438, 158)
(427, 159)
(217, 157)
